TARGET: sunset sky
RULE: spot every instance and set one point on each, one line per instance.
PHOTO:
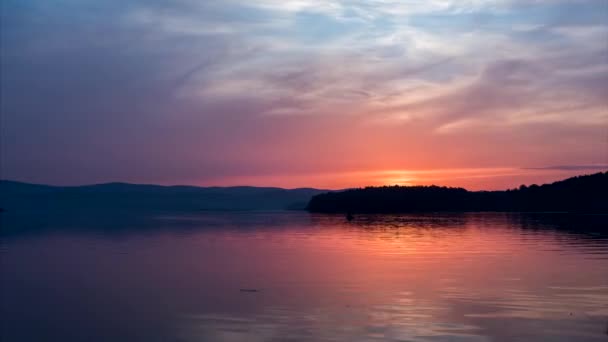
(303, 93)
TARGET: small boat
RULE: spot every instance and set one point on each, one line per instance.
(350, 217)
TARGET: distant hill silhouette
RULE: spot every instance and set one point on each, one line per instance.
(18, 196)
(587, 193)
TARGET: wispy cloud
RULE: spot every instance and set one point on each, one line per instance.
(571, 167)
(196, 90)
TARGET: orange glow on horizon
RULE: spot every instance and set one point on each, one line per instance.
(471, 179)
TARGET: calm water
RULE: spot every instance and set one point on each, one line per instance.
(469, 277)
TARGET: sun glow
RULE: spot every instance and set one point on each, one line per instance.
(471, 179)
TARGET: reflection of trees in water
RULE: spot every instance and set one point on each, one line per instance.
(575, 228)
(387, 221)
(594, 227)
(590, 228)
(581, 232)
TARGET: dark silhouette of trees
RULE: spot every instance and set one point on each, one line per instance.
(587, 193)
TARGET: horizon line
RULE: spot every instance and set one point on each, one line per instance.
(282, 188)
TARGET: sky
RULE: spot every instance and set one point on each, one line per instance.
(483, 94)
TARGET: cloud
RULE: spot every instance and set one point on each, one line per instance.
(571, 167)
(195, 91)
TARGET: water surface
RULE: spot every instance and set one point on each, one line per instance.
(169, 277)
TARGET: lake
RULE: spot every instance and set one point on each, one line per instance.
(294, 276)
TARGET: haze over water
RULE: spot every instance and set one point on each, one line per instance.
(449, 277)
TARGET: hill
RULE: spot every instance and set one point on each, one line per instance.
(587, 193)
(18, 196)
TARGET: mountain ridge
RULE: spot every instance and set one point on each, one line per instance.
(15, 195)
(21, 183)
